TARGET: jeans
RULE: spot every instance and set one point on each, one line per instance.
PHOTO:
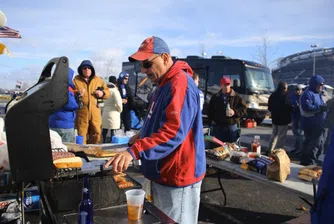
(277, 138)
(313, 146)
(298, 133)
(180, 203)
(66, 134)
(226, 133)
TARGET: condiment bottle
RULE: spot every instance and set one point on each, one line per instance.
(256, 145)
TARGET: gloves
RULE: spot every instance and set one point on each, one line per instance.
(323, 108)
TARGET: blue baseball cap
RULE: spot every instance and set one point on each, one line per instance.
(150, 46)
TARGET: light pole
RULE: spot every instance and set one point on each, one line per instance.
(314, 46)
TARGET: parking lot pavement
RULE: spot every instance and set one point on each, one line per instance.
(247, 202)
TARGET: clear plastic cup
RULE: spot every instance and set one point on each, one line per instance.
(135, 202)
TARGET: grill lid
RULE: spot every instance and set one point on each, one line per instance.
(27, 123)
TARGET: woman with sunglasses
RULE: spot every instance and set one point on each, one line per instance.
(127, 100)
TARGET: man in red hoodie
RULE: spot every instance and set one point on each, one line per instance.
(171, 143)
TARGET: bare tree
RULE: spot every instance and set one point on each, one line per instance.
(203, 52)
(265, 53)
(109, 67)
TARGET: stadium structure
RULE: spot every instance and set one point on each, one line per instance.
(298, 68)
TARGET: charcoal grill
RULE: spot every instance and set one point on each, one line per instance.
(27, 125)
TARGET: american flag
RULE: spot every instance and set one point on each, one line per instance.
(6, 32)
(18, 85)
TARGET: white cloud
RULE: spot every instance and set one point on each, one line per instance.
(111, 30)
(176, 52)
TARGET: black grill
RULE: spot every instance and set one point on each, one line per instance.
(27, 123)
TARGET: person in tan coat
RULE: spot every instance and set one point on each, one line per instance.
(90, 90)
(111, 115)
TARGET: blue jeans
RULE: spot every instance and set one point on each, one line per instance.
(313, 146)
(226, 133)
(298, 133)
(180, 203)
(66, 134)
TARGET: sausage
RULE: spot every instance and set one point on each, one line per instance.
(120, 174)
(124, 184)
(119, 179)
(60, 155)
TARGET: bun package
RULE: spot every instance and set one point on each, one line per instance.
(309, 173)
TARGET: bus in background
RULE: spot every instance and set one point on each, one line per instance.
(251, 80)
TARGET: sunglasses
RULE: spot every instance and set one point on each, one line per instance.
(148, 64)
(86, 67)
(126, 78)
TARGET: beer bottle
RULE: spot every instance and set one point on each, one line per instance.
(86, 205)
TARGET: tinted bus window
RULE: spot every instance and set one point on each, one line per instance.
(220, 68)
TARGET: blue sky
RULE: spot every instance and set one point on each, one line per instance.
(108, 31)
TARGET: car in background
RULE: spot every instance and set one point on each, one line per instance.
(328, 91)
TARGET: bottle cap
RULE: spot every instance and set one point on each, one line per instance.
(257, 137)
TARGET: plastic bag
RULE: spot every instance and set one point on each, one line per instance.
(4, 160)
(280, 168)
(9, 210)
(135, 122)
(56, 141)
(2, 131)
(119, 133)
(130, 133)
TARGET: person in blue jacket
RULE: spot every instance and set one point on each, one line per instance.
(313, 114)
(323, 207)
(62, 121)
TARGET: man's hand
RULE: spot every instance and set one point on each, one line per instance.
(98, 93)
(124, 101)
(120, 162)
(230, 113)
(134, 138)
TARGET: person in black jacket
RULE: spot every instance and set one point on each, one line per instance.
(225, 110)
(280, 107)
(127, 100)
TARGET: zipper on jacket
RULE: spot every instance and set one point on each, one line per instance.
(89, 107)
